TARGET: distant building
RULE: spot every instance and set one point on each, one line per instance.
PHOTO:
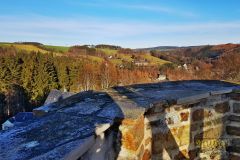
(18, 118)
(197, 68)
(91, 46)
(161, 77)
(185, 66)
(141, 63)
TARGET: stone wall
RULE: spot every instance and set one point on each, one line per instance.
(207, 128)
(233, 127)
(163, 121)
(132, 138)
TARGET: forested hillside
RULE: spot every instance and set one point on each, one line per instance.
(220, 62)
(28, 71)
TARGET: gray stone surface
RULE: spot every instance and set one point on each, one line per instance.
(222, 91)
(195, 96)
(236, 107)
(68, 124)
(233, 130)
(54, 135)
(234, 118)
(173, 92)
(56, 95)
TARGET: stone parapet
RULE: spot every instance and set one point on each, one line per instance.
(169, 120)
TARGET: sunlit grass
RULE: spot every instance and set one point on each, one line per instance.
(26, 47)
(57, 48)
(116, 61)
(96, 59)
(108, 52)
(154, 60)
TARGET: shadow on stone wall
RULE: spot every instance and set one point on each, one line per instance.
(108, 142)
(208, 135)
(164, 136)
(140, 131)
(199, 141)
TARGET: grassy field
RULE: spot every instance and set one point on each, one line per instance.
(117, 59)
(57, 48)
(108, 52)
(121, 57)
(26, 47)
(96, 59)
(154, 60)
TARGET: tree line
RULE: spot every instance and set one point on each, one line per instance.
(27, 78)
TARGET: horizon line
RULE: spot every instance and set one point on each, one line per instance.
(178, 46)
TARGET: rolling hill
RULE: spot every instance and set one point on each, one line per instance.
(116, 55)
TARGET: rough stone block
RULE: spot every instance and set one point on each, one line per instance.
(182, 155)
(236, 142)
(154, 117)
(193, 98)
(234, 157)
(213, 122)
(172, 139)
(207, 138)
(146, 155)
(200, 114)
(236, 107)
(128, 122)
(234, 96)
(233, 149)
(222, 107)
(159, 107)
(205, 124)
(193, 153)
(133, 135)
(194, 127)
(156, 157)
(140, 152)
(182, 107)
(220, 120)
(184, 116)
(232, 130)
(161, 142)
(172, 118)
(148, 141)
(218, 155)
(182, 135)
(234, 118)
(126, 158)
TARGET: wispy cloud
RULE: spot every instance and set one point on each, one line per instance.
(113, 27)
(137, 7)
(100, 31)
(160, 9)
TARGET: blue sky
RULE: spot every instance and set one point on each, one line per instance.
(129, 23)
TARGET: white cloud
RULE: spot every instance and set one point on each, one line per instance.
(160, 9)
(136, 7)
(129, 34)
